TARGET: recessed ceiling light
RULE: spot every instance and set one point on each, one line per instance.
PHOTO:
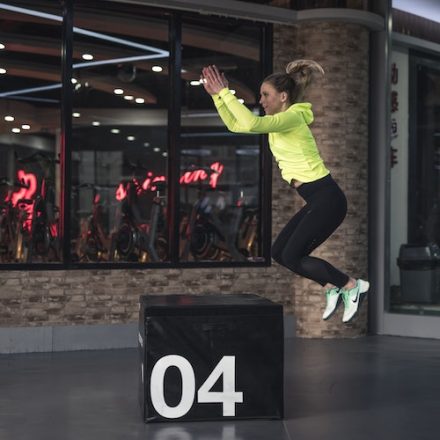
(115, 130)
(195, 83)
(87, 57)
(2, 46)
(146, 144)
(183, 70)
(74, 80)
(140, 100)
(118, 92)
(16, 130)
(2, 71)
(26, 127)
(241, 100)
(165, 154)
(76, 114)
(156, 69)
(129, 97)
(130, 138)
(96, 123)
(156, 149)
(9, 118)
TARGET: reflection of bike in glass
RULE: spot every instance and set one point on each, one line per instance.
(138, 238)
(11, 222)
(248, 233)
(214, 231)
(93, 243)
(41, 223)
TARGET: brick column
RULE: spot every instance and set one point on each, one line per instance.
(340, 105)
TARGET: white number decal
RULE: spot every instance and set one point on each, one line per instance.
(188, 386)
(228, 397)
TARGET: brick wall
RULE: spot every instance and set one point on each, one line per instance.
(29, 298)
(35, 298)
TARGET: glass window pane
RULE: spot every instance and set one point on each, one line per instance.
(30, 75)
(120, 135)
(415, 187)
(220, 171)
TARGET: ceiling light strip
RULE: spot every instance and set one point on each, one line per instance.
(81, 31)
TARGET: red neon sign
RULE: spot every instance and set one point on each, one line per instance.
(200, 175)
(197, 175)
(25, 193)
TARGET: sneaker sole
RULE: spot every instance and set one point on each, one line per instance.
(364, 287)
(334, 310)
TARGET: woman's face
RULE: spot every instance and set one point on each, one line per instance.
(271, 100)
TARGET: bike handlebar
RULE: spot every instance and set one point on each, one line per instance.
(38, 156)
(5, 182)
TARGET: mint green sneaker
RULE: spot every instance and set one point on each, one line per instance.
(333, 296)
(352, 299)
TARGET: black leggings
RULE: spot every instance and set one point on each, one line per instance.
(325, 209)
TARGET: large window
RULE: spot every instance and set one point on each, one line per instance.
(120, 136)
(221, 178)
(30, 77)
(415, 185)
(113, 154)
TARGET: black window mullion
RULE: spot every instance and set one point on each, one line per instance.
(266, 156)
(66, 127)
(174, 109)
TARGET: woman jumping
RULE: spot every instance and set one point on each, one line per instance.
(294, 148)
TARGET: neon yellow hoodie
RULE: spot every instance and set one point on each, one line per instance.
(290, 138)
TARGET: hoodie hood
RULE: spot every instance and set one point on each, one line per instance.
(305, 108)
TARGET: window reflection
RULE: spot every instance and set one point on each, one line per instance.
(30, 47)
(220, 171)
(415, 188)
(120, 131)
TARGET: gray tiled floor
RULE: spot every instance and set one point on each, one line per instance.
(370, 388)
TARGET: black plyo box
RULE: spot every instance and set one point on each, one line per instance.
(210, 357)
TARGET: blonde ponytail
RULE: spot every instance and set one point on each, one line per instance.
(299, 75)
(304, 72)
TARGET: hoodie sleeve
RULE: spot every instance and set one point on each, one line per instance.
(238, 118)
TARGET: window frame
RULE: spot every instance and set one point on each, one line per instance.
(175, 19)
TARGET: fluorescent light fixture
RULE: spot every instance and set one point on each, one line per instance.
(118, 92)
(130, 138)
(195, 83)
(128, 97)
(96, 123)
(157, 53)
(76, 114)
(115, 130)
(140, 100)
(81, 31)
(2, 71)
(156, 69)
(26, 127)
(2, 46)
(15, 130)
(9, 118)
(87, 56)
(31, 90)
